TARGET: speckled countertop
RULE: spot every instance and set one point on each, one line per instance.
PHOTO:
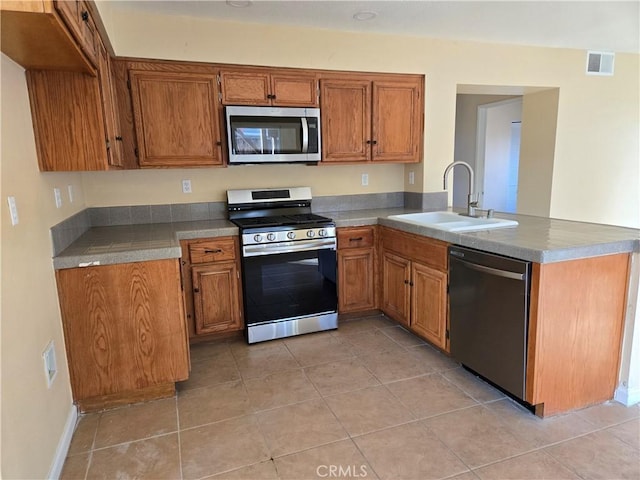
(536, 239)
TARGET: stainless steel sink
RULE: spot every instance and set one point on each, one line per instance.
(453, 222)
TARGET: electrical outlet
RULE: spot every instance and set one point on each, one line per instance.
(13, 210)
(186, 186)
(58, 197)
(70, 192)
(412, 178)
(365, 179)
(50, 364)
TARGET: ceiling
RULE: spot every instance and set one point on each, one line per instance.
(589, 25)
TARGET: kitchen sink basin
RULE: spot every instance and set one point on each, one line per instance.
(453, 222)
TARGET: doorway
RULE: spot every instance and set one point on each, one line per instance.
(498, 154)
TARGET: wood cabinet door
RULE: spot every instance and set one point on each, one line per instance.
(176, 118)
(113, 137)
(66, 110)
(356, 287)
(396, 291)
(245, 88)
(345, 107)
(216, 297)
(397, 121)
(294, 90)
(124, 327)
(429, 304)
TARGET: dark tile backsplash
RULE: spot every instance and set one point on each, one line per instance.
(67, 231)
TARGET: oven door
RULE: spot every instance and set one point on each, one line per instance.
(286, 286)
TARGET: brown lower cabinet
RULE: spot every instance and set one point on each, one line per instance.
(125, 333)
(414, 284)
(212, 286)
(357, 269)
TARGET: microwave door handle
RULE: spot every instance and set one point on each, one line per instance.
(305, 135)
(273, 145)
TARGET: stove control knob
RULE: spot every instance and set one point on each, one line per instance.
(271, 237)
(322, 232)
(311, 233)
(291, 235)
(257, 238)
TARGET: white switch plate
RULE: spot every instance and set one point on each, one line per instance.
(58, 196)
(13, 210)
(412, 178)
(70, 192)
(50, 364)
(186, 186)
(365, 179)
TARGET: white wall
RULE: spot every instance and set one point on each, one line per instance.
(33, 416)
(538, 153)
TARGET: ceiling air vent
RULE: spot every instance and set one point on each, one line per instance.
(600, 63)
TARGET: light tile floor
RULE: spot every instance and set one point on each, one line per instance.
(369, 400)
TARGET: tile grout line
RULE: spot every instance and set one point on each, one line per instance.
(179, 437)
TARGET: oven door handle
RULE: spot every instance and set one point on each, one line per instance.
(305, 135)
(288, 247)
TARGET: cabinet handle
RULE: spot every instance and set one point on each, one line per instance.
(406, 282)
(355, 239)
(368, 142)
(119, 138)
(271, 96)
(85, 16)
(219, 144)
(217, 250)
(196, 290)
(374, 142)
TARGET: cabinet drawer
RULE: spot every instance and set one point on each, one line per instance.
(212, 251)
(355, 237)
(429, 251)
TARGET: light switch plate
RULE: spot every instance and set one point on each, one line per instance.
(13, 210)
(186, 186)
(58, 197)
(365, 179)
(412, 178)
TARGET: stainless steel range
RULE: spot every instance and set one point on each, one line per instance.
(288, 263)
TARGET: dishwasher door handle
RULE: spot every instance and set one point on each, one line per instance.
(492, 271)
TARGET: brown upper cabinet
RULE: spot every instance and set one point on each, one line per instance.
(74, 118)
(115, 155)
(366, 120)
(176, 115)
(50, 35)
(79, 20)
(281, 88)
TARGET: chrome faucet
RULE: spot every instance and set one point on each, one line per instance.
(472, 202)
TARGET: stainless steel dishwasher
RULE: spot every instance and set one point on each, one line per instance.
(489, 315)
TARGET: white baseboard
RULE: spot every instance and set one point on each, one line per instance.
(627, 396)
(63, 444)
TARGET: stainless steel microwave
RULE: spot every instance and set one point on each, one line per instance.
(273, 135)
